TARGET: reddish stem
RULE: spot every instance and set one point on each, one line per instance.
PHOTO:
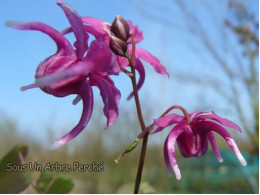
(33, 183)
(185, 113)
(145, 131)
(140, 117)
(149, 128)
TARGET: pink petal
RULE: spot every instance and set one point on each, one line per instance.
(146, 56)
(211, 126)
(169, 120)
(140, 69)
(88, 29)
(194, 114)
(215, 117)
(96, 24)
(169, 151)
(157, 130)
(77, 27)
(102, 59)
(61, 42)
(123, 62)
(215, 147)
(110, 95)
(87, 98)
(79, 69)
(134, 30)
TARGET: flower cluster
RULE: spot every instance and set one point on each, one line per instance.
(76, 68)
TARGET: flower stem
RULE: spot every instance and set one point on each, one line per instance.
(33, 183)
(147, 130)
(185, 113)
(140, 117)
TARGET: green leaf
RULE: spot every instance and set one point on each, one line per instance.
(13, 157)
(14, 182)
(14, 177)
(44, 180)
(61, 185)
(51, 185)
(128, 188)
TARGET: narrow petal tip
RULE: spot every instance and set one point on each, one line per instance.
(243, 162)
(31, 86)
(60, 3)
(177, 172)
(220, 160)
(237, 152)
(8, 23)
(55, 145)
(13, 24)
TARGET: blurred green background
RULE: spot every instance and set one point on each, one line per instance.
(199, 175)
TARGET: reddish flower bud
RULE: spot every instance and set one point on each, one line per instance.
(120, 28)
(118, 46)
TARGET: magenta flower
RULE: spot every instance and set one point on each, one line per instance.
(102, 31)
(192, 136)
(72, 71)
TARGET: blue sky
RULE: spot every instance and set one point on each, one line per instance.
(22, 51)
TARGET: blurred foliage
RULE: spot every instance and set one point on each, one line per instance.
(199, 175)
(15, 175)
(14, 179)
(51, 185)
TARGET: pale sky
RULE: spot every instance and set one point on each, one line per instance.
(22, 51)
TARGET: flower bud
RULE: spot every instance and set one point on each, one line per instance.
(118, 46)
(120, 28)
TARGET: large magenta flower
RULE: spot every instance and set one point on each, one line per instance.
(72, 71)
(192, 136)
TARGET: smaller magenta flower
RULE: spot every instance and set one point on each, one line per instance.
(74, 69)
(192, 134)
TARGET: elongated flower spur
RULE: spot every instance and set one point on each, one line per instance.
(192, 134)
(72, 71)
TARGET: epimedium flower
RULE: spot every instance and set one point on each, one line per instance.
(73, 71)
(192, 134)
(118, 36)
